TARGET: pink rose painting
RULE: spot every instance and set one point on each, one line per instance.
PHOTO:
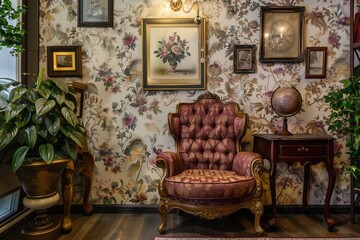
(172, 50)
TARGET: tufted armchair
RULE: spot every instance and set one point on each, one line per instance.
(208, 176)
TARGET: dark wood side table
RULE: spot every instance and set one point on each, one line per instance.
(306, 149)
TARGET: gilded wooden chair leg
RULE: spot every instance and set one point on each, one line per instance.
(163, 213)
(258, 210)
(66, 224)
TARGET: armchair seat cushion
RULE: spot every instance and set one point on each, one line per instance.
(209, 184)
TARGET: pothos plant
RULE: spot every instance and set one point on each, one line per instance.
(345, 116)
(11, 35)
(40, 122)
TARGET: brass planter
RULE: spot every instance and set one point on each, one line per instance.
(40, 181)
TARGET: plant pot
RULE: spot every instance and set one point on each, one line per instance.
(40, 181)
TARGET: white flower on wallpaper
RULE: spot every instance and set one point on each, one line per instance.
(127, 127)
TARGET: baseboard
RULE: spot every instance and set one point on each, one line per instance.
(151, 209)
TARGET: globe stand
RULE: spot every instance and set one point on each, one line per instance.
(284, 130)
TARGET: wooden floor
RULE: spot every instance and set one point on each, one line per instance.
(144, 226)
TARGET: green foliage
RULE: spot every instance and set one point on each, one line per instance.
(345, 116)
(11, 36)
(39, 121)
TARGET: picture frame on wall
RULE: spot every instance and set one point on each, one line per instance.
(80, 89)
(173, 54)
(244, 59)
(281, 34)
(316, 62)
(95, 13)
(64, 61)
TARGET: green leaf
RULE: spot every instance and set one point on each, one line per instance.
(70, 104)
(43, 133)
(19, 157)
(71, 150)
(40, 77)
(46, 152)
(45, 93)
(69, 115)
(16, 93)
(60, 98)
(13, 110)
(23, 118)
(52, 124)
(43, 105)
(78, 137)
(8, 131)
(60, 84)
(30, 136)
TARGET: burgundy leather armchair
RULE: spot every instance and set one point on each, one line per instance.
(208, 175)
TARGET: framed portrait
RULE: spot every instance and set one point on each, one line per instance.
(281, 34)
(64, 61)
(244, 59)
(316, 59)
(173, 54)
(79, 88)
(95, 13)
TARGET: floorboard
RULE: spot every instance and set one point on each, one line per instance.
(127, 226)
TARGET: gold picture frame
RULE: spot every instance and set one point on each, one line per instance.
(64, 61)
(174, 54)
(316, 61)
(282, 34)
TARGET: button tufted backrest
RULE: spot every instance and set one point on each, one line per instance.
(208, 132)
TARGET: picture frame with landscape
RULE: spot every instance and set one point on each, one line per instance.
(244, 59)
(64, 61)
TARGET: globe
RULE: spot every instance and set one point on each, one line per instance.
(286, 102)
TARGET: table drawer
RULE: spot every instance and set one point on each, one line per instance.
(303, 150)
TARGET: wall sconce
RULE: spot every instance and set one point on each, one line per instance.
(177, 5)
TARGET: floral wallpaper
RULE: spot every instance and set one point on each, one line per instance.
(127, 127)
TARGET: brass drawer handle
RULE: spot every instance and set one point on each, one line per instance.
(301, 149)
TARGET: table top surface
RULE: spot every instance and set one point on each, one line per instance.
(294, 137)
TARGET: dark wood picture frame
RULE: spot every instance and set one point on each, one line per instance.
(167, 70)
(80, 89)
(316, 62)
(95, 13)
(244, 59)
(282, 34)
(64, 61)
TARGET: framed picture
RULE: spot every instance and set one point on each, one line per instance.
(64, 61)
(281, 34)
(80, 89)
(95, 13)
(244, 59)
(173, 54)
(316, 58)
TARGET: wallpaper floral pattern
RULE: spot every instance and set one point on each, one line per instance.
(127, 127)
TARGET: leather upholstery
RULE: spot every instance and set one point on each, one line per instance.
(209, 175)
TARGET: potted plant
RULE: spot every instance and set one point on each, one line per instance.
(11, 35)
(345, 118)
(38, 124)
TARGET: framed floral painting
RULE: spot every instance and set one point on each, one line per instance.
(173, 54)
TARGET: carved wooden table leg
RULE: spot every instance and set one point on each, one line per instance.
(66, 183)
(85, 164)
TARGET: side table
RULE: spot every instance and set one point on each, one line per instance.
(306, 149)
